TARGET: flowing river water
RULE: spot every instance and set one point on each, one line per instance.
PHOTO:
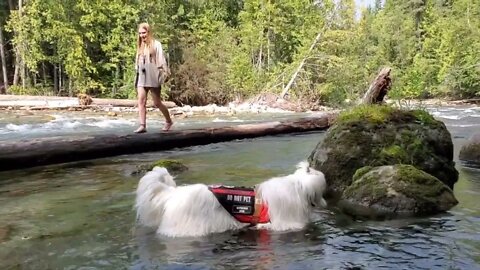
(80, 215)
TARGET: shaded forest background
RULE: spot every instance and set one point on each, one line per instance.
(222, 50)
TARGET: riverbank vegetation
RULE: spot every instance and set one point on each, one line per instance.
(221, 50)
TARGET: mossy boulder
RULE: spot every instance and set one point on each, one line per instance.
(173, 166)
(377, 135)
(470, 152)
(393, 191)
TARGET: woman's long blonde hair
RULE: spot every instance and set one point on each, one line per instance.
(149, 42)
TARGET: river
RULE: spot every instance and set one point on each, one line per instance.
(80, 215)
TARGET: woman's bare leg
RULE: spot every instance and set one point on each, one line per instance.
(158, 103)
(142, 109)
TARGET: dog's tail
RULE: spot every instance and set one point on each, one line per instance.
(152, 192)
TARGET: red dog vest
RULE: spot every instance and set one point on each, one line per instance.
(241, 203)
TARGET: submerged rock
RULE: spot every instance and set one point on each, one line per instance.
(378, 135)
(5, 233)
(173, 166)
(399, 190)
(470, 152)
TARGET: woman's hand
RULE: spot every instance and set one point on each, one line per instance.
(162, 76)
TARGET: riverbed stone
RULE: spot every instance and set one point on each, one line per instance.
(393, 191)
(377, 135)
(173, 166)
(5, 233)
(470, 152)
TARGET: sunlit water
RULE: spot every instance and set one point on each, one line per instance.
(27, 125)
(80, 216)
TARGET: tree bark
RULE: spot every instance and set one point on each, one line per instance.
(56, 89)
(60, 79)
(11, 5)
(18, 61)
(16, 75)
(378, 88)
(294, 76)
(3, 90)
(53, 150)
(44, 74)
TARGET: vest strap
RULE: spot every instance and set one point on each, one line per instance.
(258, 209)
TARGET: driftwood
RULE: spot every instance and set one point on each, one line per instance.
(378, 88)
(54, 150)
(84, 99)
(300, 66)
(127, 102)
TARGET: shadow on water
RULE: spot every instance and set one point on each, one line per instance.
(242, 249)
(413, 243)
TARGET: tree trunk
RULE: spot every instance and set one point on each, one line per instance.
(378, 88)
(53, 150)
(70, 86)
(44, 75)
(60, 79)
(55, 80)
(294, 76)
(21, 55)
(11, 5)
(4, 89)
(260, 58)
(24, 74)
(33, 75)
(18, 61)
(16, 75)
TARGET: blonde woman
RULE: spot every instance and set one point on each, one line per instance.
(149, 64)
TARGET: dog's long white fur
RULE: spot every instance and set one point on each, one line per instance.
(193, 210)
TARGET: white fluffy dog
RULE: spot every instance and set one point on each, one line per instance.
(193, 210)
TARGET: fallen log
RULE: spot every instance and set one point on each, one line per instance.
(127, 102)
(54, 150)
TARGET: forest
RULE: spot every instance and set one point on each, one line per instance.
(326, 51)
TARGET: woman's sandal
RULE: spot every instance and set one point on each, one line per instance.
(167, 126)
(141, 129)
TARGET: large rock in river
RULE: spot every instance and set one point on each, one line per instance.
(470, 152)
(393, 191)
(376, 135)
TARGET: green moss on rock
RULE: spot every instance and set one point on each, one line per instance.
(173, 166)
(361, 172)
(424, 117)
(170, 164)
(399, 190)
(371, 113)
(377, 135)
(394, 152)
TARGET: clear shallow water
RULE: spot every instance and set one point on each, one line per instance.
(79, 216)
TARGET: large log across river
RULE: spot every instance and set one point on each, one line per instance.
(54, 150)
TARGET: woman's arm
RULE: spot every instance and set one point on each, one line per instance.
(136, 61)
(160, 57)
